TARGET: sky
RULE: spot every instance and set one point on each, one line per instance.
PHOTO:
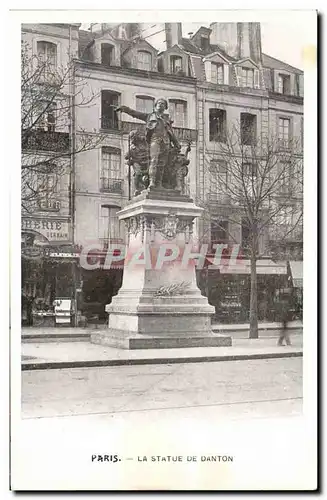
(281, 39)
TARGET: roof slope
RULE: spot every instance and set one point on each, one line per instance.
(190, 47)
(272, 63)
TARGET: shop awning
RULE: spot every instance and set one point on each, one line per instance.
(297, 273)
(243, 266)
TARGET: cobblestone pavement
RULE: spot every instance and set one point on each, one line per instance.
(256, 388)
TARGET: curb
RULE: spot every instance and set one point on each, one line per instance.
(48, 337)
(57, 365)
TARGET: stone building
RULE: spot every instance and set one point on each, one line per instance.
(49, 259)
(214, 78)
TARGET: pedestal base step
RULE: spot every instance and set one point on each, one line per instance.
(124, 340)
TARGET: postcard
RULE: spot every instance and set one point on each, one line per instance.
(163, 326)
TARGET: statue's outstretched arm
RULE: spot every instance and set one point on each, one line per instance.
(132, 112)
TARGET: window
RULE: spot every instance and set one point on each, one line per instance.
(284, 177)
(247, 77)
(176, 64)
(249, 169)
(144, 104)
(248, 128)
(47, 116)
(217, 179)
(217, 125)
(249, 177)
(285, 216)
(47, 58)
(107, 54)
(284, 84)
(47, 192)
(284, 132)
(144, 60)
(109, 223)
(219, 231)
(217, 73)
(178, 113)
(111, 170)
(109, 100)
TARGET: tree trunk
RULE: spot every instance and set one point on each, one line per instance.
(253, 300)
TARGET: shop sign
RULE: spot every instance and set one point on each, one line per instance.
(63, 255)
(52, 230)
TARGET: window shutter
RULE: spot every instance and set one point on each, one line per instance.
(275, 89)
(238, 75)
(267, 78)
(226, 74)
(301, 85)
(292, 85)
(207, 68)
(101, 222)
(256, 79)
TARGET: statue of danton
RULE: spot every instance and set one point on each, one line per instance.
(166, 163)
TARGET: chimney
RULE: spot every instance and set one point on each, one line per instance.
(173, 34)
(225, 35)
(239, 40)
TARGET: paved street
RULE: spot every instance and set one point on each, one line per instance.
(237, 389)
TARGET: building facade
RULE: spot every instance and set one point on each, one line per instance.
(213, 80)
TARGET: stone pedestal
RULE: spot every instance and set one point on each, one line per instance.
(159, 304)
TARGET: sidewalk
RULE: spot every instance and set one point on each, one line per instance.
(262, 326)
(55, 355)
(69, 334)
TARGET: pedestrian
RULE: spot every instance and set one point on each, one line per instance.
(285, 318)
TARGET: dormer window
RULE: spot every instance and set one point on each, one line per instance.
(176, 64)
(217, 73)
(107, 54)
(144, 60)
(247, 77)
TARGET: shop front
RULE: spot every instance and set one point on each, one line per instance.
(228, 289)
(50, 271)
(296, 273)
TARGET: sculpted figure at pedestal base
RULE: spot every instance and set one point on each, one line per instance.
(138, 158)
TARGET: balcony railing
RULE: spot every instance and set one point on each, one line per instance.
(108, 123)
(214, 244)
(111, 243)
(45, 141)
(182, 134)
(49, 205)
(284, 144)
(218, 198)
(286, 232)
(112, 185)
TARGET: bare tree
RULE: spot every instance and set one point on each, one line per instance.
(50, 139)
(259, 184)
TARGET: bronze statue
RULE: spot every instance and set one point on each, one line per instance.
(138, 158)
(177, 170)
(160, 137)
